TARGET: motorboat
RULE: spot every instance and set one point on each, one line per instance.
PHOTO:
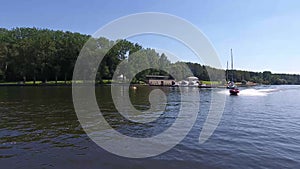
(193, 81)
(189, 82)
(183, 83)
(234, 91)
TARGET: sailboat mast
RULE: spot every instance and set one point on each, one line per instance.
(231, 65)
(231, 59)
(227, 72)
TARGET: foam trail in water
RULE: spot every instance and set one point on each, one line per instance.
(268, 90)
(252, 92)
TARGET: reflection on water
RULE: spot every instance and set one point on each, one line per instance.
(31, 117)
(39, 129)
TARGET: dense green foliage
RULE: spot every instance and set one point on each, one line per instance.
(42, 55)
(38, 54)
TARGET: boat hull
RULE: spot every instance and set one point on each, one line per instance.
(234, 91)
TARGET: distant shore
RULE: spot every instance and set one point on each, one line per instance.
(54, 83)
(209, 84)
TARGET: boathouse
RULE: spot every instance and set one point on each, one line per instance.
(157, 80)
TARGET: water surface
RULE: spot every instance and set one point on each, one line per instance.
(260, 128)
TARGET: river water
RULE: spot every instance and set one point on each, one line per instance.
(260, 128)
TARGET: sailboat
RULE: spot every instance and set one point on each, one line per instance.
(233, 88)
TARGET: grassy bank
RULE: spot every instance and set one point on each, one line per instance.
(211, 82)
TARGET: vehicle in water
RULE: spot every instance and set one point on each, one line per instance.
(233, 90)
(189, 82)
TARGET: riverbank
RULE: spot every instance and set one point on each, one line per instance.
(37, 83)
(208, 84)
(58, 83)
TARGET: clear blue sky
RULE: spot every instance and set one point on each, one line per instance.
(264, 34)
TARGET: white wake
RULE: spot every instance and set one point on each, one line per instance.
(251, 92)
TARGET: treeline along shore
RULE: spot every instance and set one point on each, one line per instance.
(37, 56)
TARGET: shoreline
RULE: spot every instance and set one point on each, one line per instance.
(107, 84)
